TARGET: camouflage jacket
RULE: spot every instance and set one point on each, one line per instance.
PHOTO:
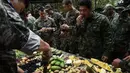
(121, 36)
(125, 65)
(94, 36)
(113, 18)
(58, 18)
(30, 22)
(67, 44)
(121, 41)
(46, 23)
(71, 17)
(13, 35)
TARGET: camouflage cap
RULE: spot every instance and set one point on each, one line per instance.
(119, 8)
(108, 7)
(48, 7)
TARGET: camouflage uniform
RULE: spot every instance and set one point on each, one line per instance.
(47, 36)
(71, 17)
(112, 18)
(30, 22)
(119, 9)
(58, 18)
(65, 43)
(121, 40)
(59, 21)
(125, 66)
(94, 36)
(14, 35)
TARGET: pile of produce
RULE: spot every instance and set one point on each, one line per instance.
(62, 62)
(56, 64)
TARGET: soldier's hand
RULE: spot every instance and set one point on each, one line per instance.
(43, 30)
(64, 27)
(45, 48)
(104, 58)
(50, 29)
(20, 70)
(127, 58)
(116, 63)
(79, 20)
(64, 34)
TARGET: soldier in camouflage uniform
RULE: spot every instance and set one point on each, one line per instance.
(14, 35)
(92, 32)
(55, 15)
(30, 21)
(120, 38)
(111, 13)
(71, 14)
(45, 27)
(59, 20)
(70, 20)
(124, 64)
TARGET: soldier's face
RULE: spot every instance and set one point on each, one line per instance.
(109, 12)
(49, 11)
(18, 5)
(66, 7)
(84, 11)
(41, 13)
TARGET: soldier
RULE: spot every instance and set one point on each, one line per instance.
(92, 31)
(59, 20)
(30, 21)
(45, 26)
(14, 35)
(55, 15)
(120, 38)
(71, 14)
(111, 13)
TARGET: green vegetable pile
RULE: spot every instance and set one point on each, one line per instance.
(56, 63)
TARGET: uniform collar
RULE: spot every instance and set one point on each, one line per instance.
(44, 19)
(90, 18)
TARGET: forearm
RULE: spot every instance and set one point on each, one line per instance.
(20, 70)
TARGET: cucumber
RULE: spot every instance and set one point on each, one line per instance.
(62, 64)
(60, 59)
(50, 71)
(51, 59)
(57, 63)
(55, 68)
(59, 52)
(53, 62)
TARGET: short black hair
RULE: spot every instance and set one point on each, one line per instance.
(41, 9)
(87, 3)
(67, 2)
